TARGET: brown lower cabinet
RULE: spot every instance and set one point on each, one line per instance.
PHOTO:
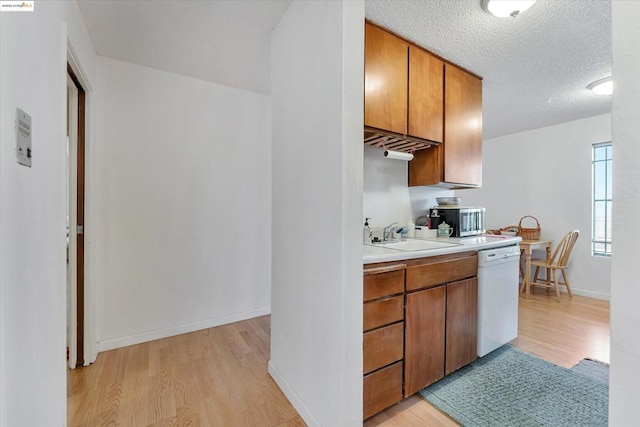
(382, 389)
(425, 334)
(383, 340)
(440, 335)
(420, 324)
(383, 346)
(462, 324)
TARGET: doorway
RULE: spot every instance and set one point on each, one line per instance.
(75, 220)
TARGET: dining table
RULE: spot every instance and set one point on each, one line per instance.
(526, 249)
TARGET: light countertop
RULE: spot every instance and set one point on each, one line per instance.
(373, 254)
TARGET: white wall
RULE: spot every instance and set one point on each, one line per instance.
(316, 322)
(183, 180)
(33, 51)
(624, 388)
(387, 197)
(546, 173)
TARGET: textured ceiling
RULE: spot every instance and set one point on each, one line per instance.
(535, 67)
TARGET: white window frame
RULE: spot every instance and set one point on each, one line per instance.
(601, 246)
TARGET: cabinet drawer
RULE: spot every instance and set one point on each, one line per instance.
(383, 281)
(441, 271)
(382, 389)
(383, 312)
(383, 346)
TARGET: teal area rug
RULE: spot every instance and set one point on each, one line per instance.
(509, 387)
(594, 369)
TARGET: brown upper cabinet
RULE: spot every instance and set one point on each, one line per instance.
(418, 96)
(462, 128)
(426, 80)
(403, 87)
(457, 163)
(385, 81)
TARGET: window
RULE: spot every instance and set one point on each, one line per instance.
(601, 211)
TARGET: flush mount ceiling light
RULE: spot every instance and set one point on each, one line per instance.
(506, 8)
(602, 86)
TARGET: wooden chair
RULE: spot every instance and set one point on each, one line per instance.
(558, 261)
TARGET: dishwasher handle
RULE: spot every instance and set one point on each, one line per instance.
(498, 255)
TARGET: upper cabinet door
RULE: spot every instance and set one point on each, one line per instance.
(426, 92)
(385, 80)
(463, 127)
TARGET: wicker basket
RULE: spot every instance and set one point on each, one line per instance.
(529, 233)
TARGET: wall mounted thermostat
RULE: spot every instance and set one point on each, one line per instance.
(23, 138)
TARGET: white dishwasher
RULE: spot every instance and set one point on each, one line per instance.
(498, 290)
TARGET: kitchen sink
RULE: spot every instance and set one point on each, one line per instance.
(411, 245)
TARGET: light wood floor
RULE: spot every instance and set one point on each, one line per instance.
(218, 376)
(213, 377)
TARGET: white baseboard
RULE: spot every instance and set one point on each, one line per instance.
(591, 294)
(111, 344)
(583, 293)
(293, 397)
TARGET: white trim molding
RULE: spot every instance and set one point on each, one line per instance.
(157, 334)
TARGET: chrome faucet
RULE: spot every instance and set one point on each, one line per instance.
(387, 230)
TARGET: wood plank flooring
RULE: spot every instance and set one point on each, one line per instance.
(218, 376)
(213, 377)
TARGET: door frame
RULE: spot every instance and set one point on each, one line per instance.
(79, 181)
(89, 347)
(71, 298)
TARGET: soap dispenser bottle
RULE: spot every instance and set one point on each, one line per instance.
(366, 232)
(412, 228)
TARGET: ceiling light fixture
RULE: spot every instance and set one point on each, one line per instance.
(506, 8)
(602, 86)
